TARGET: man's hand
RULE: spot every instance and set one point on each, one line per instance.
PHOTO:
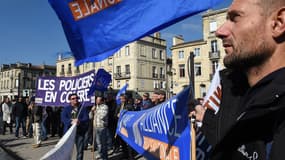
(198, 113)
(75, 121)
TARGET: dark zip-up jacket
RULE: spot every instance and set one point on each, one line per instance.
(234, 86)
(258, 125)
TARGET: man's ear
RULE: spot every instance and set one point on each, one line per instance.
(279, 23)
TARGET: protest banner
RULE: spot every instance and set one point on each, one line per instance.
(161, 132)
(54, 91)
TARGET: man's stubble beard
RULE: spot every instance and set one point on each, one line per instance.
(244, 61)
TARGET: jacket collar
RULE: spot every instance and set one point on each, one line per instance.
(264, 97)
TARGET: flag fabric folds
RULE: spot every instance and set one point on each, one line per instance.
(161, 132)
(64, 148)
(101, 81)
(122, 91)
(96, 29)
(213, 97)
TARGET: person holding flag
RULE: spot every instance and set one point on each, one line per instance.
(118, 140)
(76, 114)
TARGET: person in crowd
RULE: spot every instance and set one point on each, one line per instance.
(112, 123)
(55, 120)
(13, 119)
(7, 110)
(118, 140)
(138, 105)
(20, 111)
(146, 101)
(161, 96)
(99, 113)
(1, 118)
(43, 124)
(250, 123)
(76, 114)
(36, 118)
(29, 127)
(88, 136)
(155, 98)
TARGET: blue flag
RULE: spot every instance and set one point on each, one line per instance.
(97, 29)
(161, 132)
(122, 91)
(101, 81)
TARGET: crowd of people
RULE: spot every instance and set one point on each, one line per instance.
(96, 124)
(27, 120)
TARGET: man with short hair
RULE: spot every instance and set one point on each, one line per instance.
(72, 115)
(161, 96)
(20, 111)
(155, 98)
(100, 115)
(254, 126)
(146, 101)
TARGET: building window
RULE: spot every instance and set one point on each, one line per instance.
(69, 68)
(118, 84)
(110, 61)
(180, 54)
(197, 69)
(214, 66)
(119, 54)
(62, 69)
(161, 55)
(127, 68)
(118, 69)
(181, 70)
(197, 52)
(77, 69)
(214, 46)
(202, 90)
(142, 51)
(154, 53)
(155, 84)
(127, 50)
(213, 26)
(161, 72)
(154, 72)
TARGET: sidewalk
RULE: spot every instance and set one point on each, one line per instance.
(21, 148)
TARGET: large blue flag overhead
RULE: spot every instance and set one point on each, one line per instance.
(96, 29)
(161, 132)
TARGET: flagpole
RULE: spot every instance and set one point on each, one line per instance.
(193, 139)
(191, 76)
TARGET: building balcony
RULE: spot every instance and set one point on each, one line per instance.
(214, 55)
(154, 75)
(122, 75)
(61, 73)
(162, 76)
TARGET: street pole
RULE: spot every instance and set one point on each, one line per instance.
(191, 73)
(19, 77)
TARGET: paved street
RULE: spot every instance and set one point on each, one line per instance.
(22, 149)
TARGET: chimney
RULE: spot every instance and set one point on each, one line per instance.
(177, 40)
(156, 34)
(59, 56)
